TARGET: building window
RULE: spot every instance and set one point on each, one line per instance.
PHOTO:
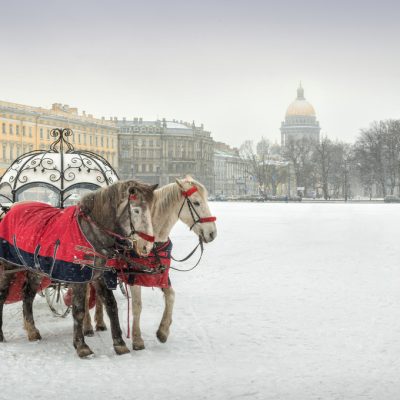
(4, 152)
(3, 128)
(48, 134)
(17, 130)
(11, 129)
(30, 131)
(23, 131)
(102, 141)
(41, 133)
(90, 140)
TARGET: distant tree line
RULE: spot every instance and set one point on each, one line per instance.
(330, 169)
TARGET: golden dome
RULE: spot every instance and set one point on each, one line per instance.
(300, 107)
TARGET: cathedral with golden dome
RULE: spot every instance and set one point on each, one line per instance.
(300, 120)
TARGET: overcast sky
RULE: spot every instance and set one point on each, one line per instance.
(232, 65)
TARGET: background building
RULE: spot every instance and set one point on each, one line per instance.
(300, 120)
(160, 151)
(232, 172)
(25, 128)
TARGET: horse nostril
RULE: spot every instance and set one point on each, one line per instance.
(211, 235)
(144, 249)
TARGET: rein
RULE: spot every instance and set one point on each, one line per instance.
(188, 256)
(196, 220)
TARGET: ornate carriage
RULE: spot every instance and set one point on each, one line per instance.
(58, 176)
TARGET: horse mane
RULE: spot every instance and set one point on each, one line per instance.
(169, 194)
(102, 204)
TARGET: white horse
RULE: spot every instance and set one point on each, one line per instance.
(185, 200)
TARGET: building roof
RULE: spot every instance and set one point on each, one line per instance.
(300, 106)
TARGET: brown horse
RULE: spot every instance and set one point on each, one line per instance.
(119, 211)
(184, 200)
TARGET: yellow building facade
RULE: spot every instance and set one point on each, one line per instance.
(25, 128)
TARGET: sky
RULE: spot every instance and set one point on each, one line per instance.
(232, 65)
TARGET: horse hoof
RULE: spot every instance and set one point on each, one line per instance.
(84, 351)
(121, 349)
(101, 327)
(138, 346)
(162, 337)
(88, 332)
(34, 336)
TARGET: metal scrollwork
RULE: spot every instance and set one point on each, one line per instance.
(60, 168)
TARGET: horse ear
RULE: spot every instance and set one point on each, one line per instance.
(87, 204)
(179, 183)
(154, 187)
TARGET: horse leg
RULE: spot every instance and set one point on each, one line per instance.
(163, 330)
(87, 320)
(98, 316)
(137, 341)
(5, 282)
(30, 288)
(110, 303)
(78, 313)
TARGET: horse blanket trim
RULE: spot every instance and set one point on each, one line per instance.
(128, 274)
(46, 240)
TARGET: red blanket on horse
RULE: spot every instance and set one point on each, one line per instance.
(46, 240)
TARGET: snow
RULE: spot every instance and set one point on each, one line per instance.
(291, 301)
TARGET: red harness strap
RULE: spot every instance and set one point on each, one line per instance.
(145, 236)
(188, 193)
(208, 219)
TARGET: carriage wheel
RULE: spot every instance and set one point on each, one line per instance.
(55, 299)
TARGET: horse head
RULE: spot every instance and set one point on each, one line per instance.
(134, 217)
(122, 211)
(195, 211)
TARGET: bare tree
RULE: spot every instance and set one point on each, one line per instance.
(377, 152)
(299, 153)
(323, 158)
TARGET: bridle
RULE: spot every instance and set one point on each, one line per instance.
(109, 232)
(195, 215)
(196, 220)
(141, 234)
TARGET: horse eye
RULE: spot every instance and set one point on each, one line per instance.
(196, 203)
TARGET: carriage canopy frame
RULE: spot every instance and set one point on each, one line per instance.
(61, 169)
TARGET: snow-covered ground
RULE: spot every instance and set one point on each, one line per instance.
(291, 301)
